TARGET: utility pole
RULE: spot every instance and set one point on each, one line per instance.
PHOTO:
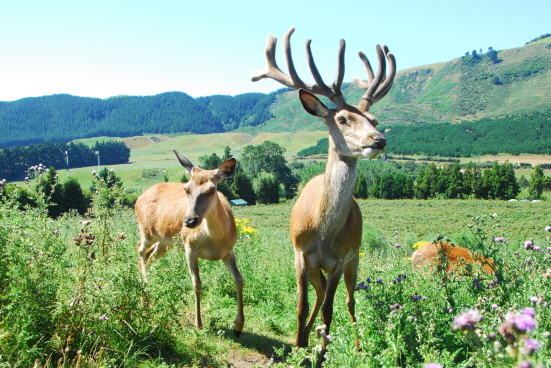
(97, 154)
(67, 158)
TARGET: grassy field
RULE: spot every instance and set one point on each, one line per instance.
(151, 156)
(65, 304)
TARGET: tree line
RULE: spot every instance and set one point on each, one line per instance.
(513, 134)
(452, 181)
(15, 161)
(64, 117)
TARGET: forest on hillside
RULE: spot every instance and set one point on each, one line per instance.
(514, 134)
(62, 118)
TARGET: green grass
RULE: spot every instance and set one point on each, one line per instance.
(58, 298)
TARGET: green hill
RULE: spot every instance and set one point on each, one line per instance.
(466, 88)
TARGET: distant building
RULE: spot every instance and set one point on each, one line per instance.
(238, 202)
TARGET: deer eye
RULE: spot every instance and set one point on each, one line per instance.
(341, 120)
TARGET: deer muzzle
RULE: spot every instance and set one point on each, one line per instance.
(191, 222)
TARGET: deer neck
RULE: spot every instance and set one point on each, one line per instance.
(216, 219)
(338, 190)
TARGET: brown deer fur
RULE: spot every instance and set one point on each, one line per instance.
(455, 258)
(201, 216)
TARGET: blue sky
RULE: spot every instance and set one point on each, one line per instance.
(144, 47)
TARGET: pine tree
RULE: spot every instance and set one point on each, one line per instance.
(536, 183)
(74, 197)
(361, 187)
(243, 188)
(267, 188)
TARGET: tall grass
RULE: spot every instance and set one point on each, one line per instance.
(71, 293)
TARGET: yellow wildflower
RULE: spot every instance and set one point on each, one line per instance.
(419, 244)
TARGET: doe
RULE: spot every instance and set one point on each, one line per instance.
(326, 222)
(202, 217)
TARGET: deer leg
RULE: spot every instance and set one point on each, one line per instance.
(318, 281)
(231, 265)
(327, 308)
(144, 247)
(351, 279)
(193, 264)
(302, 307)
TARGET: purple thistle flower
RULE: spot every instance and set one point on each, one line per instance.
(433, 365)
(467, 320)
(104, 317)
(499, 239)
(398, 245)
(379, 281)
(396, 307)
(494, 306)
(528, 244)
(524, 323)
(530, 346)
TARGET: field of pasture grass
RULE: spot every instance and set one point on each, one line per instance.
(71, 293)
(151, 156)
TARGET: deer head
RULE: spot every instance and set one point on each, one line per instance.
(351, 128)
(202, 188)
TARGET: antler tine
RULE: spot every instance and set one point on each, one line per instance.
(369, 71)
(289, 60)
(271, 70)
(315, 73)
(377, 86)
(385, 86)
(340, 68)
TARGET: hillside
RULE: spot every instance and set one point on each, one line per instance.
(464, 89)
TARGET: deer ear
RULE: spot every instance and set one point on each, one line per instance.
(312, 104)
(184, 162)
(227, 168)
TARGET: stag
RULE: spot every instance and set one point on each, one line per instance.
(326, 222)
(202, 217)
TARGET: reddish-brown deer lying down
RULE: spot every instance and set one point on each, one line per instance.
(326, 223)
(455, 258)
(202, 217)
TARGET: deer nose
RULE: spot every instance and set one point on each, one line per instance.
(380, 141)
(192, 222)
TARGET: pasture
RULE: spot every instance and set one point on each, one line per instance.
(151, 156)
(72, 295)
